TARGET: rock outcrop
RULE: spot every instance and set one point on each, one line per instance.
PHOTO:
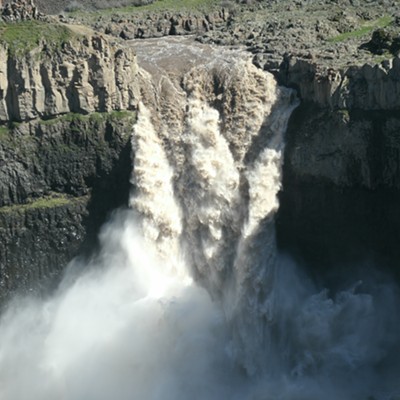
(84, 75)
(367, 87)
(64, 155)
(20, 10)
(66, 115)
(151, 25)
(37, 242)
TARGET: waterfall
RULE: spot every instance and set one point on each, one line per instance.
(231, 141)
(188, 296)
(154, 195)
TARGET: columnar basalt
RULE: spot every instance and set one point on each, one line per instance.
(66, 112)
(84, 75)
(366, 87)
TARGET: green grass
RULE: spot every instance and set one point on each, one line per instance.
(22, 37)
(42, 203)
(363, 30)
(120, 115)
(93, 117)
(14, 124)
(179, 5)
(4, 132)
(70, 117)
(157, 6)
(385, 56)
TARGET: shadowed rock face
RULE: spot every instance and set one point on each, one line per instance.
(59, 182)
(339, 205)
(334, 232)
(344, 148)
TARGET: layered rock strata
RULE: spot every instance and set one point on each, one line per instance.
(83, 75)
(366, 87)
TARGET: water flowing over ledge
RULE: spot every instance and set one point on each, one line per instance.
(206, 184)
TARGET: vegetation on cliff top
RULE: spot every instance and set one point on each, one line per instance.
(156, 6)
(365, 29)
(22, 37)
(176, 5)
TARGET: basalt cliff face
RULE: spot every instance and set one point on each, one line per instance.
(341, 172)
(84, 75)
(59, 181)
(66, 115)
(346, 131)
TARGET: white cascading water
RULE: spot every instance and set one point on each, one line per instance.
(188, 297)
(154, 201)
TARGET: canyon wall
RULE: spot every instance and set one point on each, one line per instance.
(66, 116)
(59, 180)
(339, 206)
(346, 131)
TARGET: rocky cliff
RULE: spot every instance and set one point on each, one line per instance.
(59, 179)
(166, 23)
(85, 74)
(342, 167)
(370, 86)
(66, 114)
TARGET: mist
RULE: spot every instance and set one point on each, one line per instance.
(125, 327)
(122, 329)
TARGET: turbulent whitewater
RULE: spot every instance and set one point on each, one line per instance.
(189, 297)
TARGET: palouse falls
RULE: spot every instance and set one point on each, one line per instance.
(189, 295)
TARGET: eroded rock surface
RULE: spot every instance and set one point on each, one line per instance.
(84, 75)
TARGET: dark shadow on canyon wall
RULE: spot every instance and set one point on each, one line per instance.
(110, 191)
(332, 231)
(351, 226)
(88, 163)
